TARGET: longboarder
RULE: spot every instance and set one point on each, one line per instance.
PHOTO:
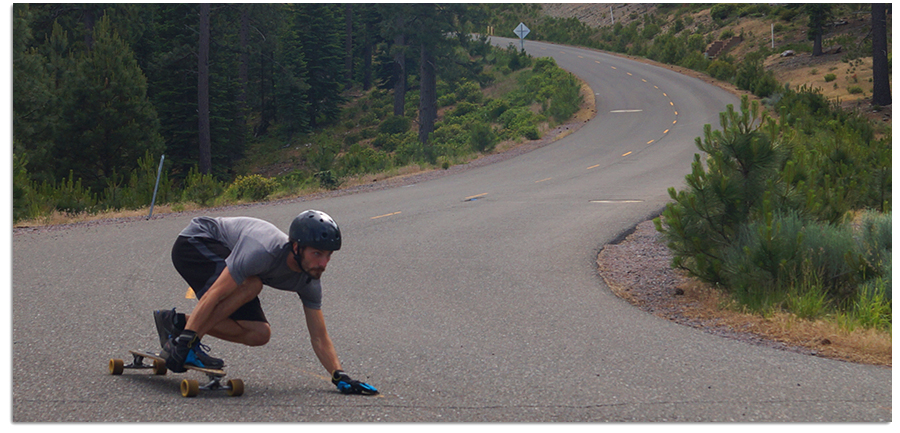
(226, 261)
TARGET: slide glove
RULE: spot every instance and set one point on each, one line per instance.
(346, 385)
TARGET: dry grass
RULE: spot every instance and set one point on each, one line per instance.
(59, 218)
(828, 338)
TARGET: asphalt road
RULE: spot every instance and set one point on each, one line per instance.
(472, 297)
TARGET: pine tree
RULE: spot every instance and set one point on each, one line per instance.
(290, 78)
(319, 28)
(112, 122)
(35, 107)
(723, 193)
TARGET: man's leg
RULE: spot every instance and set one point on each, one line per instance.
(238, 318)
(245, 332)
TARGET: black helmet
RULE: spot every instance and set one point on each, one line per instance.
(315, 229)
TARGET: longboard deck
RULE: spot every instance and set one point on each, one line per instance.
(189, 387)
(155, 356)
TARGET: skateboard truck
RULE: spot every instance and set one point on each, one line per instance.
(189, 387)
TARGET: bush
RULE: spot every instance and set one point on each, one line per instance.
(462, 109)
(721, 11)
(771, 258)
(395, 125)
(482, 137)
(721, 70)
(495, 108)
(361, 159)
(200, 188)
(566, 100)
(753, 77)
(830, 77)
(253, 187)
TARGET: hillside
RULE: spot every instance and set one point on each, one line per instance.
(843, 42)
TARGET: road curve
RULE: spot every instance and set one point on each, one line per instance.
(472, 297)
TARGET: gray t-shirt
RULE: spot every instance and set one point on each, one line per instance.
(257, 248)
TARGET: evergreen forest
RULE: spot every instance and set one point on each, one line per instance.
(103, 91)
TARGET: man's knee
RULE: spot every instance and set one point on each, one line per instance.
(258, 334)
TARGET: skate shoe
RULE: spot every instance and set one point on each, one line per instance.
(169, 324)
(187, 350)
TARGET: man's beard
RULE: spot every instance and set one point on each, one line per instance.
(313, 272)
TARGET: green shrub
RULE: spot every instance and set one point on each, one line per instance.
(830, 77)
(395, 125)
(462, 109)
(721, 70)
(567, 98)
(253, 187)
(200, 188)
(752, 76)
(361, 159)
(721, 11)
(482, 137)
(495, 108)
(327, 179)
(469, 91)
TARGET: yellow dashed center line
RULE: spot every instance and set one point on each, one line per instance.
(385, 215)
(476, 196)
(593, 166)
(629, 153)
(543, 180)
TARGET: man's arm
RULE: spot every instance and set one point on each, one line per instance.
(321, 342)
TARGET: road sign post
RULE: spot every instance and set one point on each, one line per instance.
(522, 31)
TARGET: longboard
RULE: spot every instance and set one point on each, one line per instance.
(189, 387)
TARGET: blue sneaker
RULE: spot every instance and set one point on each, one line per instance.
(199, 357)
(186, 349)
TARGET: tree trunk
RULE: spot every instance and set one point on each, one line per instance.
(881, 92)
(817, 43)
(367, 57)
(348, 45)
(427, 95)
(243, 74)
(399, 74)
(203, 91)
(88, 18)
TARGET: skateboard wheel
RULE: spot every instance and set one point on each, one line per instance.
(235, 387)
(159, 368)
(190, 388)
(116, 366)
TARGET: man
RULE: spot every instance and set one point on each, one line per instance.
(227, 261)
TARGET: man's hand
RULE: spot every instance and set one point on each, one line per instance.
(346, 385)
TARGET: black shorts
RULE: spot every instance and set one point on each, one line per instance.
(200, 261)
